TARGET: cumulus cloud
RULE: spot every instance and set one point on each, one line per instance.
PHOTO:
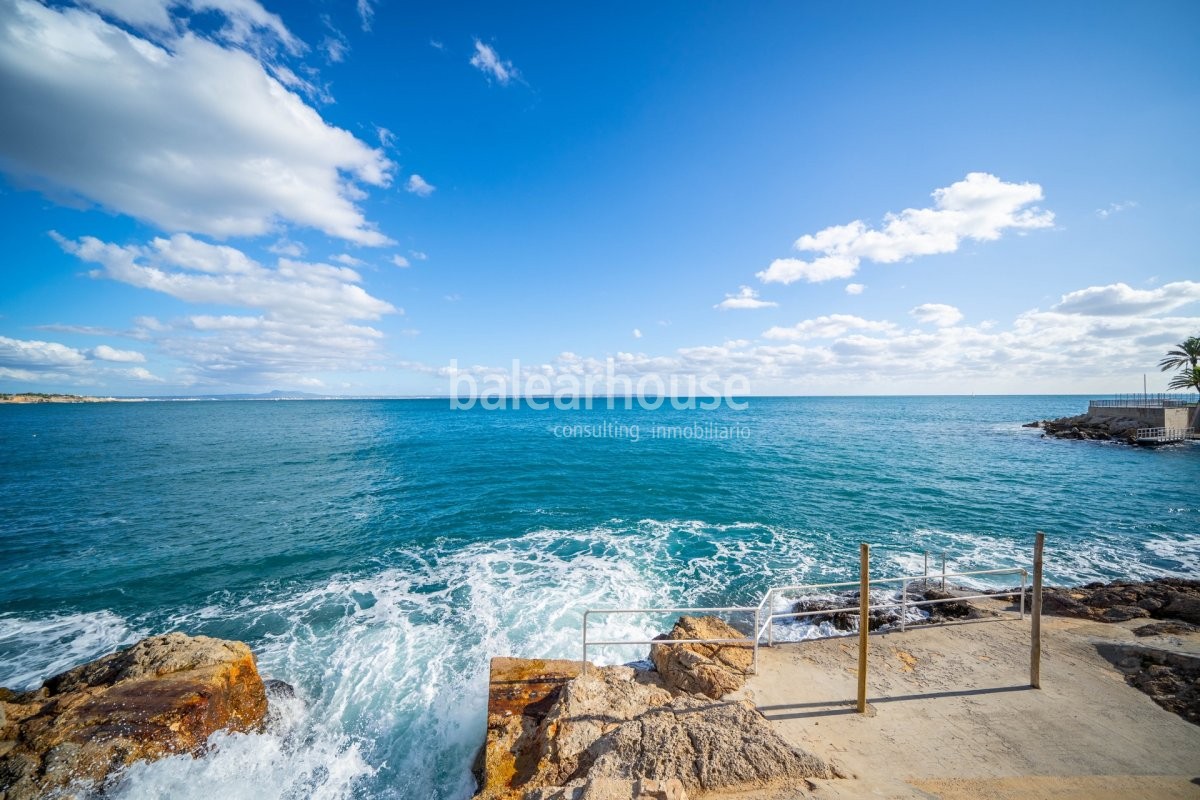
(980, 207)
(828, 327)
(304, 317)
(1037, 351)
(184, 132)
(746, 298)
(938, 314)
(400, 261)
(1119, 299)
(32, 354)
(637, 333)
(488, 61)
(418, 255)
(418, 186)
(106, 353)
(855, 288)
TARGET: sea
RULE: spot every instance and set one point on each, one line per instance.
(375, 554)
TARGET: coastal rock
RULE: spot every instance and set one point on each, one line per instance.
(613, 789)
(1170, 679)
(706, 746)
(587, 708)
(1088, 427)
(713, 670)
(521, 693)
(1166, 629)
(163, 696)
(1119, 601)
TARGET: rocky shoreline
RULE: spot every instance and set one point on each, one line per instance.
(555, 730)
(1088, 427)
(163, 696)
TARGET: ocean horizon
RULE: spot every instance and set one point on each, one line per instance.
(375, 554)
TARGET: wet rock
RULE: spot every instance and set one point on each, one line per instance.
(951, 610)
(713, 670)
(163, 696)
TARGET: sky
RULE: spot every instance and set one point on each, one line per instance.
(377, 198)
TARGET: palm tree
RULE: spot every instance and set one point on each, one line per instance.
(1189, 379)
(1185, 357)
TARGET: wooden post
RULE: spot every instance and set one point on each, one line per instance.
(864, 621)
(1035, 646)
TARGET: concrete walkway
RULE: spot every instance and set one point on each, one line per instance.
(952, 714)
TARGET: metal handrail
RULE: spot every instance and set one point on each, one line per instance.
(1170, 434)
(768, 627)
(679, 610)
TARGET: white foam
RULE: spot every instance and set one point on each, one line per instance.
(35, 649)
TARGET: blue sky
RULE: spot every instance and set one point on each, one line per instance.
(218, 196)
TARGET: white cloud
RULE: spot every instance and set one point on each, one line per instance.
(247, 23)
(1119, 299)
(979, 207)
(418, 255)
(938, 314)
(436, 45)
(637, 333)
(283, 247)
(746, 298)
(185, 133)
(366, 13)
(828, 327)
(106, 353)
(400, 261)
(335, 49)
(855, 288)
(453, 298)
(143, 374)
(31, 354)
(348, 260)
(1115, 208)
(305, 316)
(1038, 351)
(487, 61)
(418, 186)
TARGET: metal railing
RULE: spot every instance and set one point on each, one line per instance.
(721, 610)
(903, 604)
(764, 605)
(1163, 434)
(1149, 400)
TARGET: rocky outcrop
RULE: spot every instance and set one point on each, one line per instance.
(1089, 427)
(617, 733)
(706, 746)
(1170, 679)
(163, 696)
(1119, 601)
(713, 670)
(587, 708)
(883, 618)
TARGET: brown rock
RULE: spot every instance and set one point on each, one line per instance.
(587, 708)
(521, 693)
(165, 695)
(713, 670)
(706, 746)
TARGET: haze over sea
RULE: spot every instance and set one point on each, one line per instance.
(375, 554)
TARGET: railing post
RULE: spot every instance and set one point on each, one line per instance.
(925, 585)
(756, 619)
(943, 572)
(585, 619)
(1035, 647)
(864, 621)
(770, 620)
(903, 604)
(1022, 595)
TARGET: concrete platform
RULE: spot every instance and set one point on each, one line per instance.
(952, 714)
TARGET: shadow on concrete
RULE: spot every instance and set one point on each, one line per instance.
(831, 708)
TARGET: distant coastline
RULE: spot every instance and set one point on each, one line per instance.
(27, 398)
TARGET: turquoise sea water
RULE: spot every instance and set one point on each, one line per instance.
(375, 554)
